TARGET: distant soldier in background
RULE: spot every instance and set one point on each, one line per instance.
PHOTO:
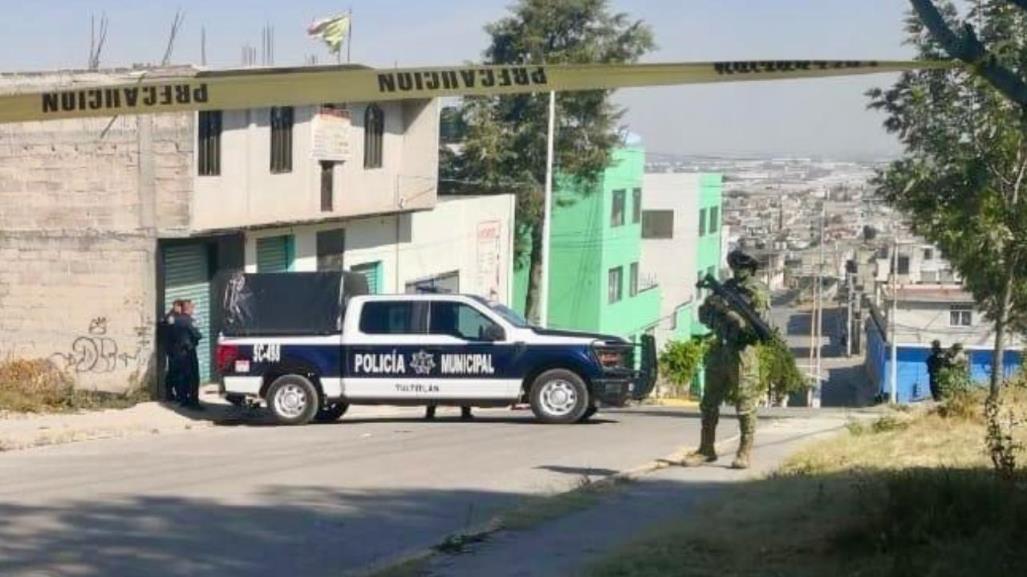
(732, 363)
(954, 372)
(935, 362)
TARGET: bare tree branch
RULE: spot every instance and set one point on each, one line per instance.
(969, 49)
(96, 42)
(175, 26)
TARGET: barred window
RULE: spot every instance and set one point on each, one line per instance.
(374, 133)
(208, 149)
(281, 139)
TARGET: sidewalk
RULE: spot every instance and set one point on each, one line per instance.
(26, 430)
(567, 545)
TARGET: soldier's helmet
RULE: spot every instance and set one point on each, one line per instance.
(737, 259)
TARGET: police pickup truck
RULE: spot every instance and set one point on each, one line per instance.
(311, 344)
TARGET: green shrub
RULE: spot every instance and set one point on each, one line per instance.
(680, 360)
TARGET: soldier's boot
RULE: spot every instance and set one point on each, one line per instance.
(747, 423)
(707, 451)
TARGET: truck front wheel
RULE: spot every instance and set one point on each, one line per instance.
(559, 396)
(293, 400)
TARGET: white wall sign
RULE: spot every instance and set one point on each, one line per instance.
(330, 129)
(490, 234)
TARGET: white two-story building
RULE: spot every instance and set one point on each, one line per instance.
(106, 221)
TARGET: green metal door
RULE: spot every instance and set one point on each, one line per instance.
(274, 254)
(187, 277)
(372, 271)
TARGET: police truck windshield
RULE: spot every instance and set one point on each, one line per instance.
(509, 315)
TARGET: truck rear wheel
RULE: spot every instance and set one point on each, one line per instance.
(293, 400)
(559, 396)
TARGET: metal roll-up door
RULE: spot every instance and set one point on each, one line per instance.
(371, 272)
(187, 277)
(274, 254)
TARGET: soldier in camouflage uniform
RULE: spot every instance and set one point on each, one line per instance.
(732, 364)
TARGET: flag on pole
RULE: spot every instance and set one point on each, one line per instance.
(332, 31)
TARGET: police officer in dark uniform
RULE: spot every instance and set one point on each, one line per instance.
(167, 333)
(186, 338)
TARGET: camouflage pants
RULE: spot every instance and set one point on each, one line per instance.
(732, 375)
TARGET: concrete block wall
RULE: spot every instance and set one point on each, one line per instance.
(81, 205)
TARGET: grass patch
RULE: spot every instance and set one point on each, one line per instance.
(37, 386)
(910, 494)
(535, 510)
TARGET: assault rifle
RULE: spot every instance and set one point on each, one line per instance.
(739, 304)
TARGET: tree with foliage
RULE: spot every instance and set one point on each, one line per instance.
(504, 145)
(963, 176)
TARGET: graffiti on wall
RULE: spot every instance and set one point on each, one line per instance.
(97, 352)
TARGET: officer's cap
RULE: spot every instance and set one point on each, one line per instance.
(738, 259)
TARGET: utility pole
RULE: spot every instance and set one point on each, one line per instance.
(893, 376)
(820, 309)
(543, 291)
(848, 316)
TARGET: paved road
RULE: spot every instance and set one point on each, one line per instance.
(318, 500)
(565, 546)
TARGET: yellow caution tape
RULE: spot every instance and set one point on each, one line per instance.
(254, 88)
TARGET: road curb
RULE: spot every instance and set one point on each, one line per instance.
(483, 531)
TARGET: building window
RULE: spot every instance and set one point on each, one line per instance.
(636, 206)
(208, 146)
(961, 317)
(616, 279)
(903, 264)
(928, 254)
(374, 134)
(702, 221)
(372, 271)
(331, 245)
(275, 253)
(617, 214)
(714, 218)
(327, 186)
(281, 139)
(658, 224)
(633, 279)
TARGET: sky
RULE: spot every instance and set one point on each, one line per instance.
(824, 117)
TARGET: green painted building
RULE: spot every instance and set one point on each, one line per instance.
(595, 275)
